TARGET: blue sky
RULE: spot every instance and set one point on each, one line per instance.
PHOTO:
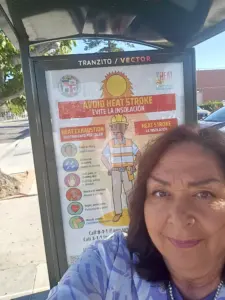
(209, 54)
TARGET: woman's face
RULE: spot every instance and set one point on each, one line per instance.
(185, 208)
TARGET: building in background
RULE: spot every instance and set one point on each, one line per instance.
(210, 85)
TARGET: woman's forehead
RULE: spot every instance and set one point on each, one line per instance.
(188, 158)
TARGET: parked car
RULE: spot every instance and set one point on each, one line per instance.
(216, 119)
(202, 113)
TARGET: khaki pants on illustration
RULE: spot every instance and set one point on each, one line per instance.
(120, 179)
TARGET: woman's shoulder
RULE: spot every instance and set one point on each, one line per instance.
(110, 250)
(106, 255)
(89, 276)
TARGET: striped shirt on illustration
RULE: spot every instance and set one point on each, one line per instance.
(121, 154)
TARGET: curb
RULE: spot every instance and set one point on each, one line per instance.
(14, 120)
(9, 149)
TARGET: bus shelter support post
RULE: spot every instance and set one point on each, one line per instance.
(38, 147)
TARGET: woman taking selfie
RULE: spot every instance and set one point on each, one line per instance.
(175, 246)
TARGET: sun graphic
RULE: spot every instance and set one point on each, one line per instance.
(116, 84)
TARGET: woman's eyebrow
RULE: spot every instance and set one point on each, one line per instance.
(160, 180)
(204, 181)
(194, 183)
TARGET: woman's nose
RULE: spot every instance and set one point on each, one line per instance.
(180, 214)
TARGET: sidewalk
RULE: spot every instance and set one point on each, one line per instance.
(23, 269)
(5, 148)
(19, 159)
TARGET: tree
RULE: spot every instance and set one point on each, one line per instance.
(106, 45)
(12, 88)
(18, 105)
(11, 76)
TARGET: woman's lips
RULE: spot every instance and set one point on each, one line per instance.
(185, 243)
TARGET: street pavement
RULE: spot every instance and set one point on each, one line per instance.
(23, 269)
(13, 130)
(15, 147)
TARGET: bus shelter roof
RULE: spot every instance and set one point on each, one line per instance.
(161, 23)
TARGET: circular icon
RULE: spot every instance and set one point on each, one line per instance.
(70, 165)
(69, 86)
(73, 194)
(72, 180)
(76, 222)
(69, 150)
(75, 208)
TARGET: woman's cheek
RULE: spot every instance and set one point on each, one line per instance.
(151, 215)
(156, 219)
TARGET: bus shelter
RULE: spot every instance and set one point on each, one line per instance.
(91, 114)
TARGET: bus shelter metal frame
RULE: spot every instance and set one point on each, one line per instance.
(43, 146)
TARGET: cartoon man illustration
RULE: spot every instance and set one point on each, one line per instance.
(120, 158)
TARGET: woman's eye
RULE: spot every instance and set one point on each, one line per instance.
(204, 195)
(160, 194)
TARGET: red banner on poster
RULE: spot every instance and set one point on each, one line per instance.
(112, 106)
(81, 133)
(154, 126)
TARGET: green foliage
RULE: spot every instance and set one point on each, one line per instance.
(11, 76)
(212, 105)
(18, 105)
(59, 48)
(65, 47)
(106, 45)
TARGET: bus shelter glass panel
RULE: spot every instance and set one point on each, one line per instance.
(103, 112)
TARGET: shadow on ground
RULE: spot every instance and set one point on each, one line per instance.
(37, 296)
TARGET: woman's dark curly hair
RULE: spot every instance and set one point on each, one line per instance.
(151, 265)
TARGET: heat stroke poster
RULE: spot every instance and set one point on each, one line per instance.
(101, 119)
